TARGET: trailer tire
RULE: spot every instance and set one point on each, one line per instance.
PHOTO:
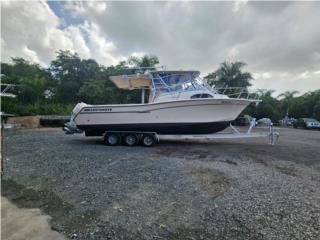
(131, 139)
(112, 139)
(148, 140)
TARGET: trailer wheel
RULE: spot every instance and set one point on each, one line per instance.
(148, 140)
(131, 139)
(112, 139)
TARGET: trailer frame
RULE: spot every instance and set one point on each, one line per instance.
(270, 134)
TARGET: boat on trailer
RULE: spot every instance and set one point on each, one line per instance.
(179, 102)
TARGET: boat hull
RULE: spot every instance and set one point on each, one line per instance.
(196, 116)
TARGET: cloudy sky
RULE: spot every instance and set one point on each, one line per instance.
(280, 41)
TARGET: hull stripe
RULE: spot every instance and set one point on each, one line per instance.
(160, 128)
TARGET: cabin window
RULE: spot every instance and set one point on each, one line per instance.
(204, 95)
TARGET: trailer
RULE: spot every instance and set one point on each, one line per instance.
(148, 139)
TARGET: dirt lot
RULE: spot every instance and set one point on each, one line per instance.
(218, 190)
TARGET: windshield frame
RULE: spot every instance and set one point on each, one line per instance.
(192, 82)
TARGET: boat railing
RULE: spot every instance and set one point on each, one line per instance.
(159, 86)
(237, 92)
(5, 88)
(231, 92)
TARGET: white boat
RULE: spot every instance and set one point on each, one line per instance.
(180, 102)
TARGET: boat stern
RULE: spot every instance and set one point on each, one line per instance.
(71, 126)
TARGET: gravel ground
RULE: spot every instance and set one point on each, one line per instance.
(176, 190)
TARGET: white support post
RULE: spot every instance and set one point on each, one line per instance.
(142, 95)
(252, 125)
(234, 129)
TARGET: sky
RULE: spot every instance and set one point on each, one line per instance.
(279, 41)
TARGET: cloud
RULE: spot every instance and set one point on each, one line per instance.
(32, 30)
(81, 7)
(305, 75)
(237, 5)
(263, 76)
(282, 37)
(100, 49)
(284, 81)
(278, 40)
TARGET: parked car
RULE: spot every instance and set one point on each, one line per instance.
(287, 121)
(307, 123)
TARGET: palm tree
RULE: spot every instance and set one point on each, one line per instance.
(287, 99)
(264, 93)
(147, 61)
(230, 74)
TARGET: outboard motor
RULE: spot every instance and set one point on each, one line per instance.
(71, 127)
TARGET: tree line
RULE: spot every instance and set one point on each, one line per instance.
(69, 80)
(287, 104)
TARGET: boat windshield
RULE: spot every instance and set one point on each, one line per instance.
(168, 82)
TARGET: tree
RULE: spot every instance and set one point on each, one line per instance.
(70, 73)
(73, 79)
(147, 61)
(316, 111)
(306, 105)
(229, 74)
(31, 78)
(267, 108)
(93, 92)
(287, 99)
